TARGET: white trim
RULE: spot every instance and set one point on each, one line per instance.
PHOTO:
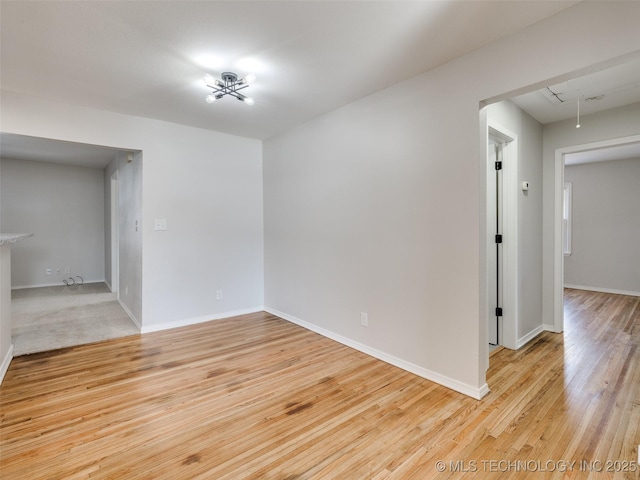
(6, 361)
(131, 315)
(522, 341)
(567, 207)
(558, 256)
(510, 201)
(114, 213)
(603, 290)
(469, 390)
(58, 284)
(192, 321)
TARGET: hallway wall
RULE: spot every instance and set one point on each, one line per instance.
(605, 226)
(63, 206)
(529, 213)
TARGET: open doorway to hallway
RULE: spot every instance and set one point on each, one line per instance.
(65, 287)
(601, 225)
(610, 107)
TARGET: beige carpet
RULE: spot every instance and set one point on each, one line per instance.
(48, 318)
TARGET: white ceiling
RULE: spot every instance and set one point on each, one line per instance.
(611, 88)
(147, 58)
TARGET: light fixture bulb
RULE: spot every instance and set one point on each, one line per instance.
(208, 80)
(210, 98)
(578, 117)
(249, 100)
(250, 78)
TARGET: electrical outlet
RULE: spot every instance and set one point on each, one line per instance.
(67, 270)
(160, 224)
(49, 271)
(58, 271)
(218, 294)
(364, 319)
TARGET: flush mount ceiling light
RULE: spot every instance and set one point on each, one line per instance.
(229, 85)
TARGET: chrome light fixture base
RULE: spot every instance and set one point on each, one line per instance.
(228, 85)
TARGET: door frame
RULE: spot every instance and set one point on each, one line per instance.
(115, 235)
(510, 307)
(558, 254)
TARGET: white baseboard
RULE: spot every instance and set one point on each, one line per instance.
(131, 315)
(522, 341)
(57, 284)
(603, 290)
(193, 321)
(6, 361)
(443, 380)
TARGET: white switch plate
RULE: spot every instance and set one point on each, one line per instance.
(364, 319)
(160, 224)
(218, 294)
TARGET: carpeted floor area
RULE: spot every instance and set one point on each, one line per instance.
(48, 318)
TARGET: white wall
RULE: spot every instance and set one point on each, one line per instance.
(605, 226)
(129, 236)
(6, 344)
(379, 206)
(606, 125)
(63, 206)
(207, 185)
(529, 214)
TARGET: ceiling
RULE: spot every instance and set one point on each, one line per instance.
(147, 58)
(611, 88)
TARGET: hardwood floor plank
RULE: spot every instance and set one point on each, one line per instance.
(255, 397)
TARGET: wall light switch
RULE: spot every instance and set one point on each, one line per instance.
(160, 224)
(525, 186)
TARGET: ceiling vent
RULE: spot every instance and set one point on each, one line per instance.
(553, 97)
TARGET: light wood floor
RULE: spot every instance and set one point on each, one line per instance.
(258, 398)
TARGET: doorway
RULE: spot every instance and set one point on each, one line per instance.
(495, 323)
(559, 240)
(502, 232)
